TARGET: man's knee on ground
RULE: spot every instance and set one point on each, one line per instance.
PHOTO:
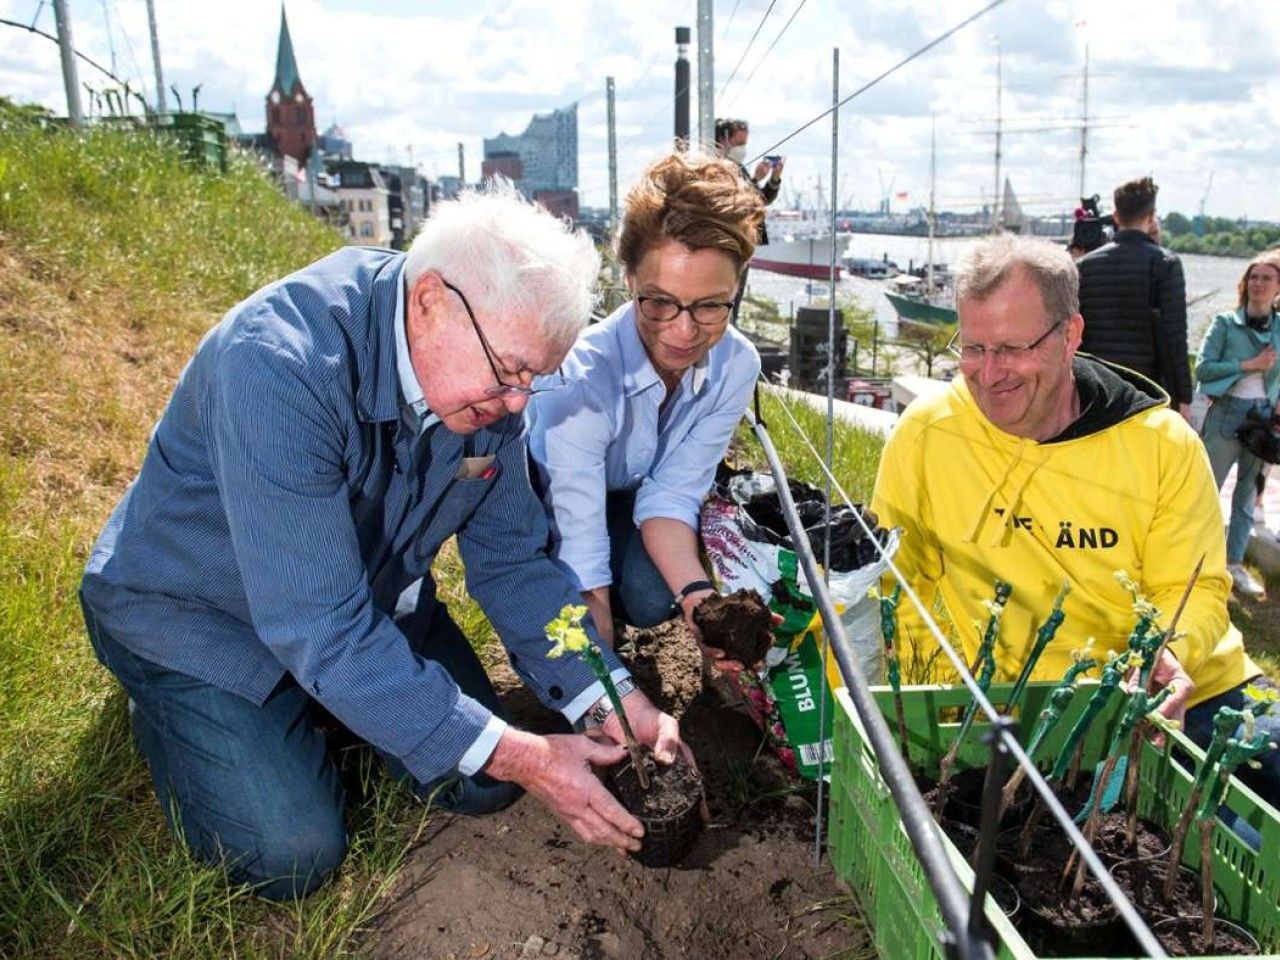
(286, 867)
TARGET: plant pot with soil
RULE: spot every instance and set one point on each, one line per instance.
(1184, 937)
(665, 798)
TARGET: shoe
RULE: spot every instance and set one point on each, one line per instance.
(1244, 583)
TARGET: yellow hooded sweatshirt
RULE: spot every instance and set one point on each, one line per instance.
(1126, 487)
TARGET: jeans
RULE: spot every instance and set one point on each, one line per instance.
(639, 595)
(1264, 781)
(1219, 435)
(252, 788)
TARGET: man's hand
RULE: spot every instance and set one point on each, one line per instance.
(659, 731)
(715, 655)
(557, 770)
(1169, 673)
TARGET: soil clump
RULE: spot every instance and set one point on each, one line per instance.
(518, 883)
(739, 624)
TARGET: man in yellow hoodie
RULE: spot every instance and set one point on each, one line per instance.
(1040, 465)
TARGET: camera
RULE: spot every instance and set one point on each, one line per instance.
(1089, 231)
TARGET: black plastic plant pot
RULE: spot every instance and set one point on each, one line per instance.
(1143, 883)
(671, 810)
(1180, 936)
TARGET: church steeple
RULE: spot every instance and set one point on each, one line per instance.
(291, 122)
(286, 65)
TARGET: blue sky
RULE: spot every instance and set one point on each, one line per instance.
(1178, 89)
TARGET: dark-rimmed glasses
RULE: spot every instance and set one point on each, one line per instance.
(705, 313)
(971, 354)
(503, 389)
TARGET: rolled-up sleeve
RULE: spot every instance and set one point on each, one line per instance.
(569, 440)
(275, 446)
(679, 481)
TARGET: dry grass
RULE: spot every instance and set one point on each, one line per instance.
(115, 258)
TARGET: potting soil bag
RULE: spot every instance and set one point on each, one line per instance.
(746, 539)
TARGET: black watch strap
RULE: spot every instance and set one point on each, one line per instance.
(693, 586)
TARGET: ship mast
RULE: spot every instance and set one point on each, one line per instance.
(933, 178)
(996, 194)
(1084, 119)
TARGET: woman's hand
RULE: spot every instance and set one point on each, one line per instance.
(1260, 362)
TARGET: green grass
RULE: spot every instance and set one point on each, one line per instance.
(855, 452)
(115, 258)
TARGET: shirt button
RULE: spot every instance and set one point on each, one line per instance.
(556, 693)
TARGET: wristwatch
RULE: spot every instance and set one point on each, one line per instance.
(599, 712)
(693, 586)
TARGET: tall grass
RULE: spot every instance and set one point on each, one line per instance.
(115, 258)
(855, 452)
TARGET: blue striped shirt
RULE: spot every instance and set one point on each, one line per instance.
(608, 430)
(289, 496)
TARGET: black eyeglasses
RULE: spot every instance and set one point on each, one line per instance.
(504, 389)
(971, 354)
(705, 313)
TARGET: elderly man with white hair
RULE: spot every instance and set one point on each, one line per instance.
(274, 554)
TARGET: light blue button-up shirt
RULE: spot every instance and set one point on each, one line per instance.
(288, 498)
(607, 430)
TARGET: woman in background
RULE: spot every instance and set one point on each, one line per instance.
(1236, 368)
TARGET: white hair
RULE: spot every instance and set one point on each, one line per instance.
(511, 258)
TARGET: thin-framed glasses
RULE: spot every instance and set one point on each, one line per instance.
(547, 382)
(705, 313)
(972, 354)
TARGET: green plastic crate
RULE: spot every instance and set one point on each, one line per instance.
(873, 856)
(202, 139)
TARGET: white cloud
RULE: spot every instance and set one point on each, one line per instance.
(1188, 87)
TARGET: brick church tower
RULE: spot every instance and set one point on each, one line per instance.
(291, 122)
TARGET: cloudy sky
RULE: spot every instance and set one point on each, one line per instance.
(1182, 90)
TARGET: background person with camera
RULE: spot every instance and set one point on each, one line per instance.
(1236, 368)
(1133, 298)
(731, 143)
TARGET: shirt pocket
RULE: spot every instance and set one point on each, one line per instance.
(453, 509)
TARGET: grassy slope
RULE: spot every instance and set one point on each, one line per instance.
(114, 260)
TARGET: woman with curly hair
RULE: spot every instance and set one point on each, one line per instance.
(625, 453)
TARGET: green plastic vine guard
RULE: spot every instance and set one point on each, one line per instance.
(872, 855)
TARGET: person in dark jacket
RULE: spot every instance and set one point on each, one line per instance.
(731, 143)
(1133, 298)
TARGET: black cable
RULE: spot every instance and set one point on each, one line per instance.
(48, 36)
(748, 49)
(747, 82)
(871, 83)
(732, 13)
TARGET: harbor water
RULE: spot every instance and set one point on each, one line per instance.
(1213, 277)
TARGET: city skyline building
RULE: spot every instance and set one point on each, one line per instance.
(545, 157)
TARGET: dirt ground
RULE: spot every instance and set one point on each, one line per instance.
(518, 884)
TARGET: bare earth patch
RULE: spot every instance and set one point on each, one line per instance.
(518, 884)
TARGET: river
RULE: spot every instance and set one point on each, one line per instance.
(1215, 276)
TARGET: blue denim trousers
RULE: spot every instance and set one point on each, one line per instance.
(1219, 435)
(1264, 781)
(252, 788)
(639, 596)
